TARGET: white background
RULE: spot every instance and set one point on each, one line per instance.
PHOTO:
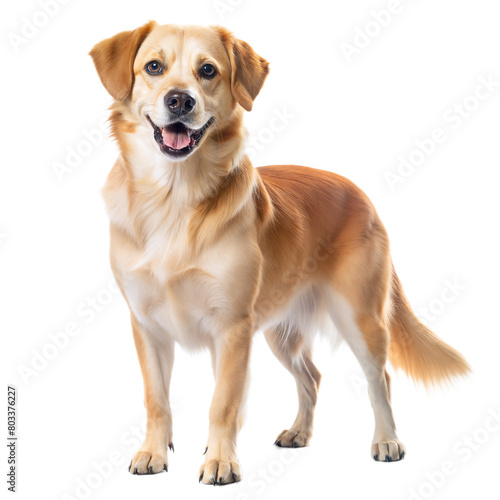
(356, 118)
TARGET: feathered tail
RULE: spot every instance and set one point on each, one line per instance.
(415, 348)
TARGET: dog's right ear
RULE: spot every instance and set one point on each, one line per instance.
(114, 60)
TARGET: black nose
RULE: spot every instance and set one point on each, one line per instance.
(179, 103)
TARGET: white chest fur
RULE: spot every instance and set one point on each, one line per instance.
(171, 290)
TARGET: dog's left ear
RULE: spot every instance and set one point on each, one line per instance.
(114, 60)
(248, 69)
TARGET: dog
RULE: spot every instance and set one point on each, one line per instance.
(207, 249)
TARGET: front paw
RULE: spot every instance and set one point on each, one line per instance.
(220, 471)
(148, 461)
(388, 451)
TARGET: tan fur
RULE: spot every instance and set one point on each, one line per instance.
(208, 250)
(114, 60)
(416, 349)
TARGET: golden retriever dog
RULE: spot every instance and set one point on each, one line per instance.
(207, 249)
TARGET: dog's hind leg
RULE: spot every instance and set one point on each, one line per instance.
(361, 320)
(289, 348)
(386, 446)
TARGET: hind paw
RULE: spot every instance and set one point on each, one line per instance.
(293, 439)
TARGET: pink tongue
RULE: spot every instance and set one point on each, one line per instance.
(175, 140)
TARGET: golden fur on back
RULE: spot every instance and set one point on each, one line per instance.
(208, 249)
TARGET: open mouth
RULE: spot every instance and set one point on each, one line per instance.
(176, 139)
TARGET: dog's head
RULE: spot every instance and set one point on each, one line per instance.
(182, 83)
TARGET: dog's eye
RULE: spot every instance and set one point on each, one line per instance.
(208, 71)
(154, 68)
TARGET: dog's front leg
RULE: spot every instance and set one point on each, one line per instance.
(156, 360)
(232, 358)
